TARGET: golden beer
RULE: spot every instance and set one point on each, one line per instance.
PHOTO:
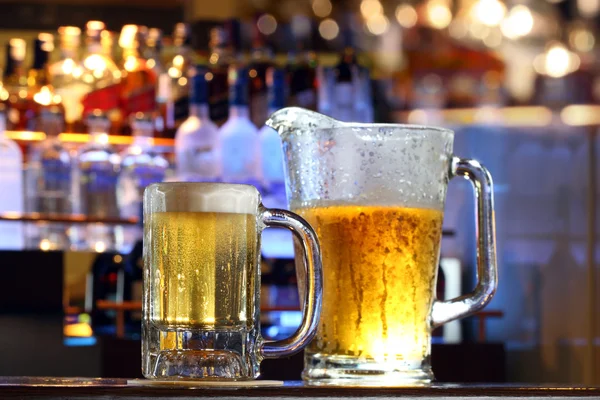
(204, 268)
(380, 268)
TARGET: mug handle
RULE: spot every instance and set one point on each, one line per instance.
(311, 309)
(487, 271)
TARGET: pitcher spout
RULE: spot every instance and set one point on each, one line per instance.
(299, 121)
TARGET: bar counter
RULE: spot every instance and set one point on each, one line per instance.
(37, 388)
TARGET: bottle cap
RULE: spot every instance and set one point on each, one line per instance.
(142, 124)
(93, 29)
(218, 37)
(70, 36)
(2, 118)
(132, 36)
(17, 49)
(182, 34)
(97, 121)
(42, 47)
(154, 38)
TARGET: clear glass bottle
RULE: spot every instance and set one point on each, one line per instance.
(11, 196)
(101, 74)
(270, 144)
(152, 51)
(66, 76)
(138, 82)
(21, 107)
(173, 85)
(196, 139)
(140, 166)
(46, 102)
(98, 170)
(49, 190)
(153, 54)
(238, 137)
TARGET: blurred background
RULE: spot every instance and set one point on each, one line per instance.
(102, 97)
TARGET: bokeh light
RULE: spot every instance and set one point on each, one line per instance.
(439, 15)
(378, 24)
(459, 28)
(406, 15)
(329, 29)
(267, 24)
(493, 38)
(322, 8)
(370, 8)
(588, 8)
(557, 61)
(301, 26)
(518, 23)
(489, 12)
(582, 40)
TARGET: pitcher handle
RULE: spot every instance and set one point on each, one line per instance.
(311, 309)
(487, 272)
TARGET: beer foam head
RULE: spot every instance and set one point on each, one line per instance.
(201, 197)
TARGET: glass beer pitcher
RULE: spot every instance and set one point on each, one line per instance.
(375, 194)
(202, 282)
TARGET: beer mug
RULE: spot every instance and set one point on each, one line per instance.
(375, 194)
(201, 302)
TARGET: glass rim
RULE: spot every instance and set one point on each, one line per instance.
(200, 184)
(400, 127)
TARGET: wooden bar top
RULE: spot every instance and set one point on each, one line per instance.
(83, 388)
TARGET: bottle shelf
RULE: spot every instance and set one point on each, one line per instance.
(519, 116)
(65, 218)
(75, 138)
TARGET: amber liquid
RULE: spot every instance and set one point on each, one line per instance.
(380, 269)
(202, 268)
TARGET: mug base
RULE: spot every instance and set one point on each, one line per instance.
(350, 371)
(192, 354)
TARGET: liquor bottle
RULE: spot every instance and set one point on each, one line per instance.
(221, 58)
(50, 187)
(173, 85)
(270, 144)
(43, 46)
(21, 108)
(11, 196)
(138, 82)
(101, 74)
(196, 138)
(238, 137)
(98, 169)
(363, 104)
(47, 104)
(140, 167)
(66, 76)
(302, 76)
(344, 88)
(152, 50)
(325, 96)
(260, 61)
